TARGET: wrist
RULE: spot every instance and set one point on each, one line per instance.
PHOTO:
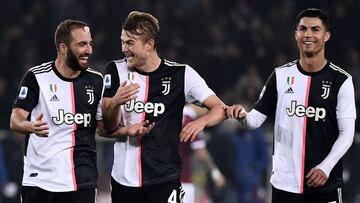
(114, 105)
(215, 173)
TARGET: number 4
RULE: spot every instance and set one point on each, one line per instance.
(172, 198)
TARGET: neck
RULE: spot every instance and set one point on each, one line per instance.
(312, 63)
(151, 63)
(64, 69)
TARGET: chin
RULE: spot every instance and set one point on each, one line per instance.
(130, 65)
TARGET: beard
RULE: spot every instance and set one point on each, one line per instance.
(73, 62)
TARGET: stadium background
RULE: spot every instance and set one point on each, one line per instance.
(228, 42)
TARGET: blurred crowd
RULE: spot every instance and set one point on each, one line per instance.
(233, 44)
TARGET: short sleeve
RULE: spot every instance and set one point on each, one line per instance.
(268, 97)
(111, 80)
(196, 89)
(27, 93)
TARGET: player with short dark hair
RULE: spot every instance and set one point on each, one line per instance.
(141, 87)
(58, 108)
(314, 105)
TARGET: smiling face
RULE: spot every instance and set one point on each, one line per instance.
(311, 36)
(79, 49)
(136, 51)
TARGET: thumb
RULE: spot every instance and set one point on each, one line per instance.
(310, 172)
(123, 83)
(40, 117)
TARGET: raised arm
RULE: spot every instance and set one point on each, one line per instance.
(111, 105)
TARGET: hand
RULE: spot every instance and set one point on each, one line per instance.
(316, 178)
(140, 129)
(191, 130)
(219, 179)
(125, 93)
(235, 111)
(40, 127)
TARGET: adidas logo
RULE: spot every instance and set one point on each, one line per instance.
(289, 91)
(54, 98)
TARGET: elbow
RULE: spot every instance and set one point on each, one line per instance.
(12, 124)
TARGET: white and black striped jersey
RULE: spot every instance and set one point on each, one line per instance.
(306, 107)
(153, 158)
(66, 159)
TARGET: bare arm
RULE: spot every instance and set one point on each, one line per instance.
(138, 129)
(250, 121)
(214, 116)
(203, 155)
(111, 106)
(20, 123)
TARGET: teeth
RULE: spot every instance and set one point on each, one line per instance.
(308, 42)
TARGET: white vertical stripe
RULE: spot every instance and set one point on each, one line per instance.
(126, 166)
(339, 195)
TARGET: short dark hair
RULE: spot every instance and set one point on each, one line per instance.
(63, 31)
(143, 24)
(314, 13)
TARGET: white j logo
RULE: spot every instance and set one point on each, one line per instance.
(166, 85)
(326, 89)
(90, 92)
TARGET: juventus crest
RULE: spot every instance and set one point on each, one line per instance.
(165, 83)
(90, 93)
(325, 86)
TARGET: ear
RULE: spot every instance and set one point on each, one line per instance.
(295, 34)
(327, 36)
(150, 45)
(62, 48)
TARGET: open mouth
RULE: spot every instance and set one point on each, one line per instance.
(129, 56)
(309, 42)
(83, 59)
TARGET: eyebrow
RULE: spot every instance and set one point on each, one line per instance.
(314, 26)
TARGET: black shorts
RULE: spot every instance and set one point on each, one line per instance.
(280, 196)
(168, 192)
(38, 195)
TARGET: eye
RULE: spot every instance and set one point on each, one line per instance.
(315, 29)
(301, 29)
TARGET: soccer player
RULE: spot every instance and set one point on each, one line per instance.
(147, 168)
(314, 105)
(197, 148)
(57, 107)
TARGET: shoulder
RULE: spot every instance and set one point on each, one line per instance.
(94, 72)
(339, 70)
(287, 65)
(174, 64)
(43, 68)
(116, 64)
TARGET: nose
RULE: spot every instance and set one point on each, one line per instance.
(308, 33)
(124, 47)
(89, 49)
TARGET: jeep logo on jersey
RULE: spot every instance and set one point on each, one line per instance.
(148, 107)
(69, 118)
(166, 85)
(300, 111)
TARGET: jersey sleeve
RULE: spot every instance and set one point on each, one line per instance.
(346, 100)
(111, 80)
(99, 110)
(28, 93)
(196, 89)
(268, 97)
